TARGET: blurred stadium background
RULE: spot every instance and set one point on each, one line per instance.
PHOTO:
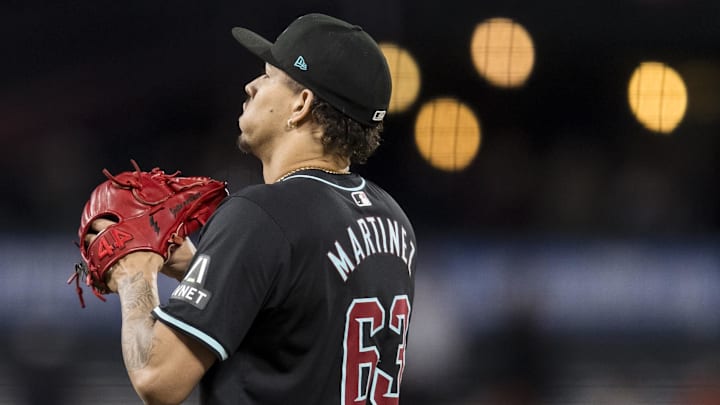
(559, 159)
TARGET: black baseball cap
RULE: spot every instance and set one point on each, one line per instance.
(338, 61)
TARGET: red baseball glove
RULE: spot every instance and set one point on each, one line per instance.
(153, 211)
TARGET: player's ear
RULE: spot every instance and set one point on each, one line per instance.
(302, 106)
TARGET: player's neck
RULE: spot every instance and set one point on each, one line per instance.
(300, 148)
(329, 164)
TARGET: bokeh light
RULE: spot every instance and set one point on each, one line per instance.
(502, 52)
(657, 96)
(447, 134)
(405, 77)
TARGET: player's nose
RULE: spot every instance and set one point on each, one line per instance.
(251, 88)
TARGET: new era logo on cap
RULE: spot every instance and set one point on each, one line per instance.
(379, 115)
(300, 63)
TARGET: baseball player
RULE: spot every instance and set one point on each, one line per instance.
(301, 289)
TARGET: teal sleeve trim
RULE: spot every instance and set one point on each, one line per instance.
(213, 344)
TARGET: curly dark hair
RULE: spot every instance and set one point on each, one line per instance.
(342, 135)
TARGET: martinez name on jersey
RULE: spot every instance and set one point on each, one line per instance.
(370, 236)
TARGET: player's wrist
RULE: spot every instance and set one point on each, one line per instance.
(145, 262)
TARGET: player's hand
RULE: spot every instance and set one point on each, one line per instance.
(96, 227)
(135, 262)
(131, 263)
(179, 260)
(180, 255)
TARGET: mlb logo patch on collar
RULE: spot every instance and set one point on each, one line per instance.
(361, 199)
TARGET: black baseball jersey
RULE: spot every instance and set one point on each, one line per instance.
(304, 290)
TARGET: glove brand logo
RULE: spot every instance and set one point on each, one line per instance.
(154, 224)
(177, 208)
(111, 240)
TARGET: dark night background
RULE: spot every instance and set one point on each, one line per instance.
(575, 261)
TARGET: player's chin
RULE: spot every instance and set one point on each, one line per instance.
(243, 144)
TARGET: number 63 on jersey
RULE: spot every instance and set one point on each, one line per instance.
(363, 382)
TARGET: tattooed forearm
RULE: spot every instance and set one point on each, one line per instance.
(138, 297)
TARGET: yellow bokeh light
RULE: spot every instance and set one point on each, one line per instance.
(447, 134)
(657, 96)
(405, 77)
(502, 52)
